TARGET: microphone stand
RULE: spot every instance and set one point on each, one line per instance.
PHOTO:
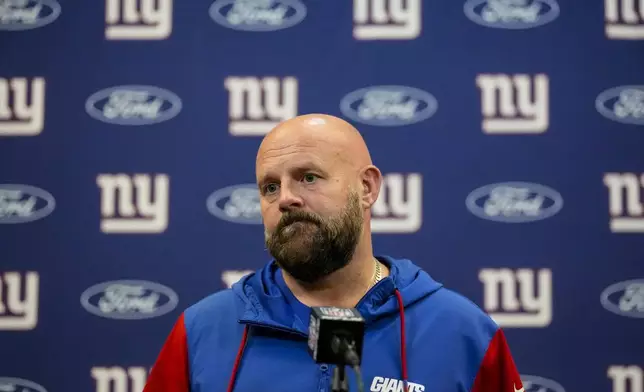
(340, 382)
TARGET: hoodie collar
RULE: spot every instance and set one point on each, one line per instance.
(262, 298)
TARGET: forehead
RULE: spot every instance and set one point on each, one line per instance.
(301, 152)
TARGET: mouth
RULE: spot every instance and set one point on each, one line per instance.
(301, 223)
(297, 225)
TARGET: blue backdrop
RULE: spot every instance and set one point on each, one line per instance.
(510, 134)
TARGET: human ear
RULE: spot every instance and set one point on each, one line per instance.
(371, 178)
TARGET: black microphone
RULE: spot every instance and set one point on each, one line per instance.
(335, 337)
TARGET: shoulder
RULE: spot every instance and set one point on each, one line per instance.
(211, 306)
(212, 324)
(451, 323)
(460, 316)
(461, 306)
(215, 309)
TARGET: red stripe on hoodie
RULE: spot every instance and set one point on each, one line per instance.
(170, 372)
(498, 372)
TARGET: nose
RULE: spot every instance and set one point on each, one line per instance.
(289, 200)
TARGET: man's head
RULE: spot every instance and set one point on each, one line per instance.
(317, 185)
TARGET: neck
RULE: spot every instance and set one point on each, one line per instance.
(343, 288)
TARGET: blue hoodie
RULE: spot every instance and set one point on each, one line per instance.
(420, 336)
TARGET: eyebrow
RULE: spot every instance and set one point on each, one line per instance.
(299, 169)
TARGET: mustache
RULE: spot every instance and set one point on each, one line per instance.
(297, 216)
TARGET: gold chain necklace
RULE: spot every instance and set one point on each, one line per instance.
(378, 274)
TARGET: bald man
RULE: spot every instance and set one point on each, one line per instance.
(317, 185)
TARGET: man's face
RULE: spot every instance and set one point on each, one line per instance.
(312, 219)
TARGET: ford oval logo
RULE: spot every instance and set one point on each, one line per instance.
(133, 105)
(27, 14)
(540, 384)
(237, 203)
(625, 298)
(258, 15)
(624, 104)
(11, 384)
(388, 105)
(514, 202)
(24, 203)
(511, 14)
(129, 299)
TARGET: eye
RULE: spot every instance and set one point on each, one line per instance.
(270, 188)
(310, 178)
